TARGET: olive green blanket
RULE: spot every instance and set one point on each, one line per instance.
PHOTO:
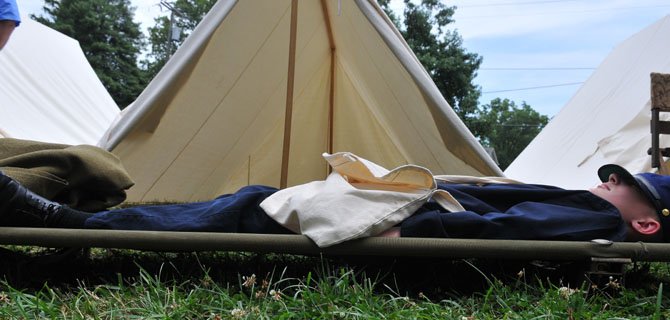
(83, 176)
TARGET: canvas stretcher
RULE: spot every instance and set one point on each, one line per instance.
(172, 241)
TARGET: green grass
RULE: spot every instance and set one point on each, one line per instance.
(133, 285)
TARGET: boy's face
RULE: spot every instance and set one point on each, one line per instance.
(625, 197)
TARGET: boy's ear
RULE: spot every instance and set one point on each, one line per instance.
(646, 226)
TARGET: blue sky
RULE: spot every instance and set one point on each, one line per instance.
(551, 44)
(546, 43)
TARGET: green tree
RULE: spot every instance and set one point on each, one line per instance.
(109, 38)
(451, 66)
(186, 15)
(500, 125)
(507, 128)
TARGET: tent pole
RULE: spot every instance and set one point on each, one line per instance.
(289, 95)
(331, 106)
(331, 98)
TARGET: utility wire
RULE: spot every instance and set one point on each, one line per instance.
(539, 68)
(533, 88)
(510, 3)
(523, 125)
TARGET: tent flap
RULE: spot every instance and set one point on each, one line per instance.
(606, 121)
(355, 86)
(48, 90)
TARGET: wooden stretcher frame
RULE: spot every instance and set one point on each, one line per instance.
(174, 241)
(660, 102)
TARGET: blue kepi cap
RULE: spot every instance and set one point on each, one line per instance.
(655, 187)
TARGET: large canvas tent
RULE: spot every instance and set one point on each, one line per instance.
(261, 88)
(606, 121)
(48, 90)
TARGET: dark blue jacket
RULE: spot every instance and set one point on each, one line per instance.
(508, 211)
(494, 212)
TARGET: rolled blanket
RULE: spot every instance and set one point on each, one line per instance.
(84, 177)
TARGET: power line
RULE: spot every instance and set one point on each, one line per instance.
(540, 68)
(510, 3)
(533, 88)
(523, 125)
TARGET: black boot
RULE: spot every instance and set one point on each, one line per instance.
(20, 207)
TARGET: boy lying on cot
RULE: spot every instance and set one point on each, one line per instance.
(624, 207)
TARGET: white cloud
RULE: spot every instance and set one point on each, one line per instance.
(145, 10)
(491, 18)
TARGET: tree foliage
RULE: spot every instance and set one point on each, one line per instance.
(507, 128)
(441, 51)
(501, 124)
(108, 37)
(186, 16)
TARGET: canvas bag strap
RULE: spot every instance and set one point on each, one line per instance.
(356, 170)
(447, 201)
(457, 179)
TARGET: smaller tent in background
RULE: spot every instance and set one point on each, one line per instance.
(48, 90)
(606, 121)
(215, 117)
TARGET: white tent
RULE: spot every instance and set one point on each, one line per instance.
(48, 90)
(214, 119)
(606, 121)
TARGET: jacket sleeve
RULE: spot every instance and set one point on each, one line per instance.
(527, 220)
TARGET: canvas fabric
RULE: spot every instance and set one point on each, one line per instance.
(48, 90)
(606, 121)
(215, 118)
